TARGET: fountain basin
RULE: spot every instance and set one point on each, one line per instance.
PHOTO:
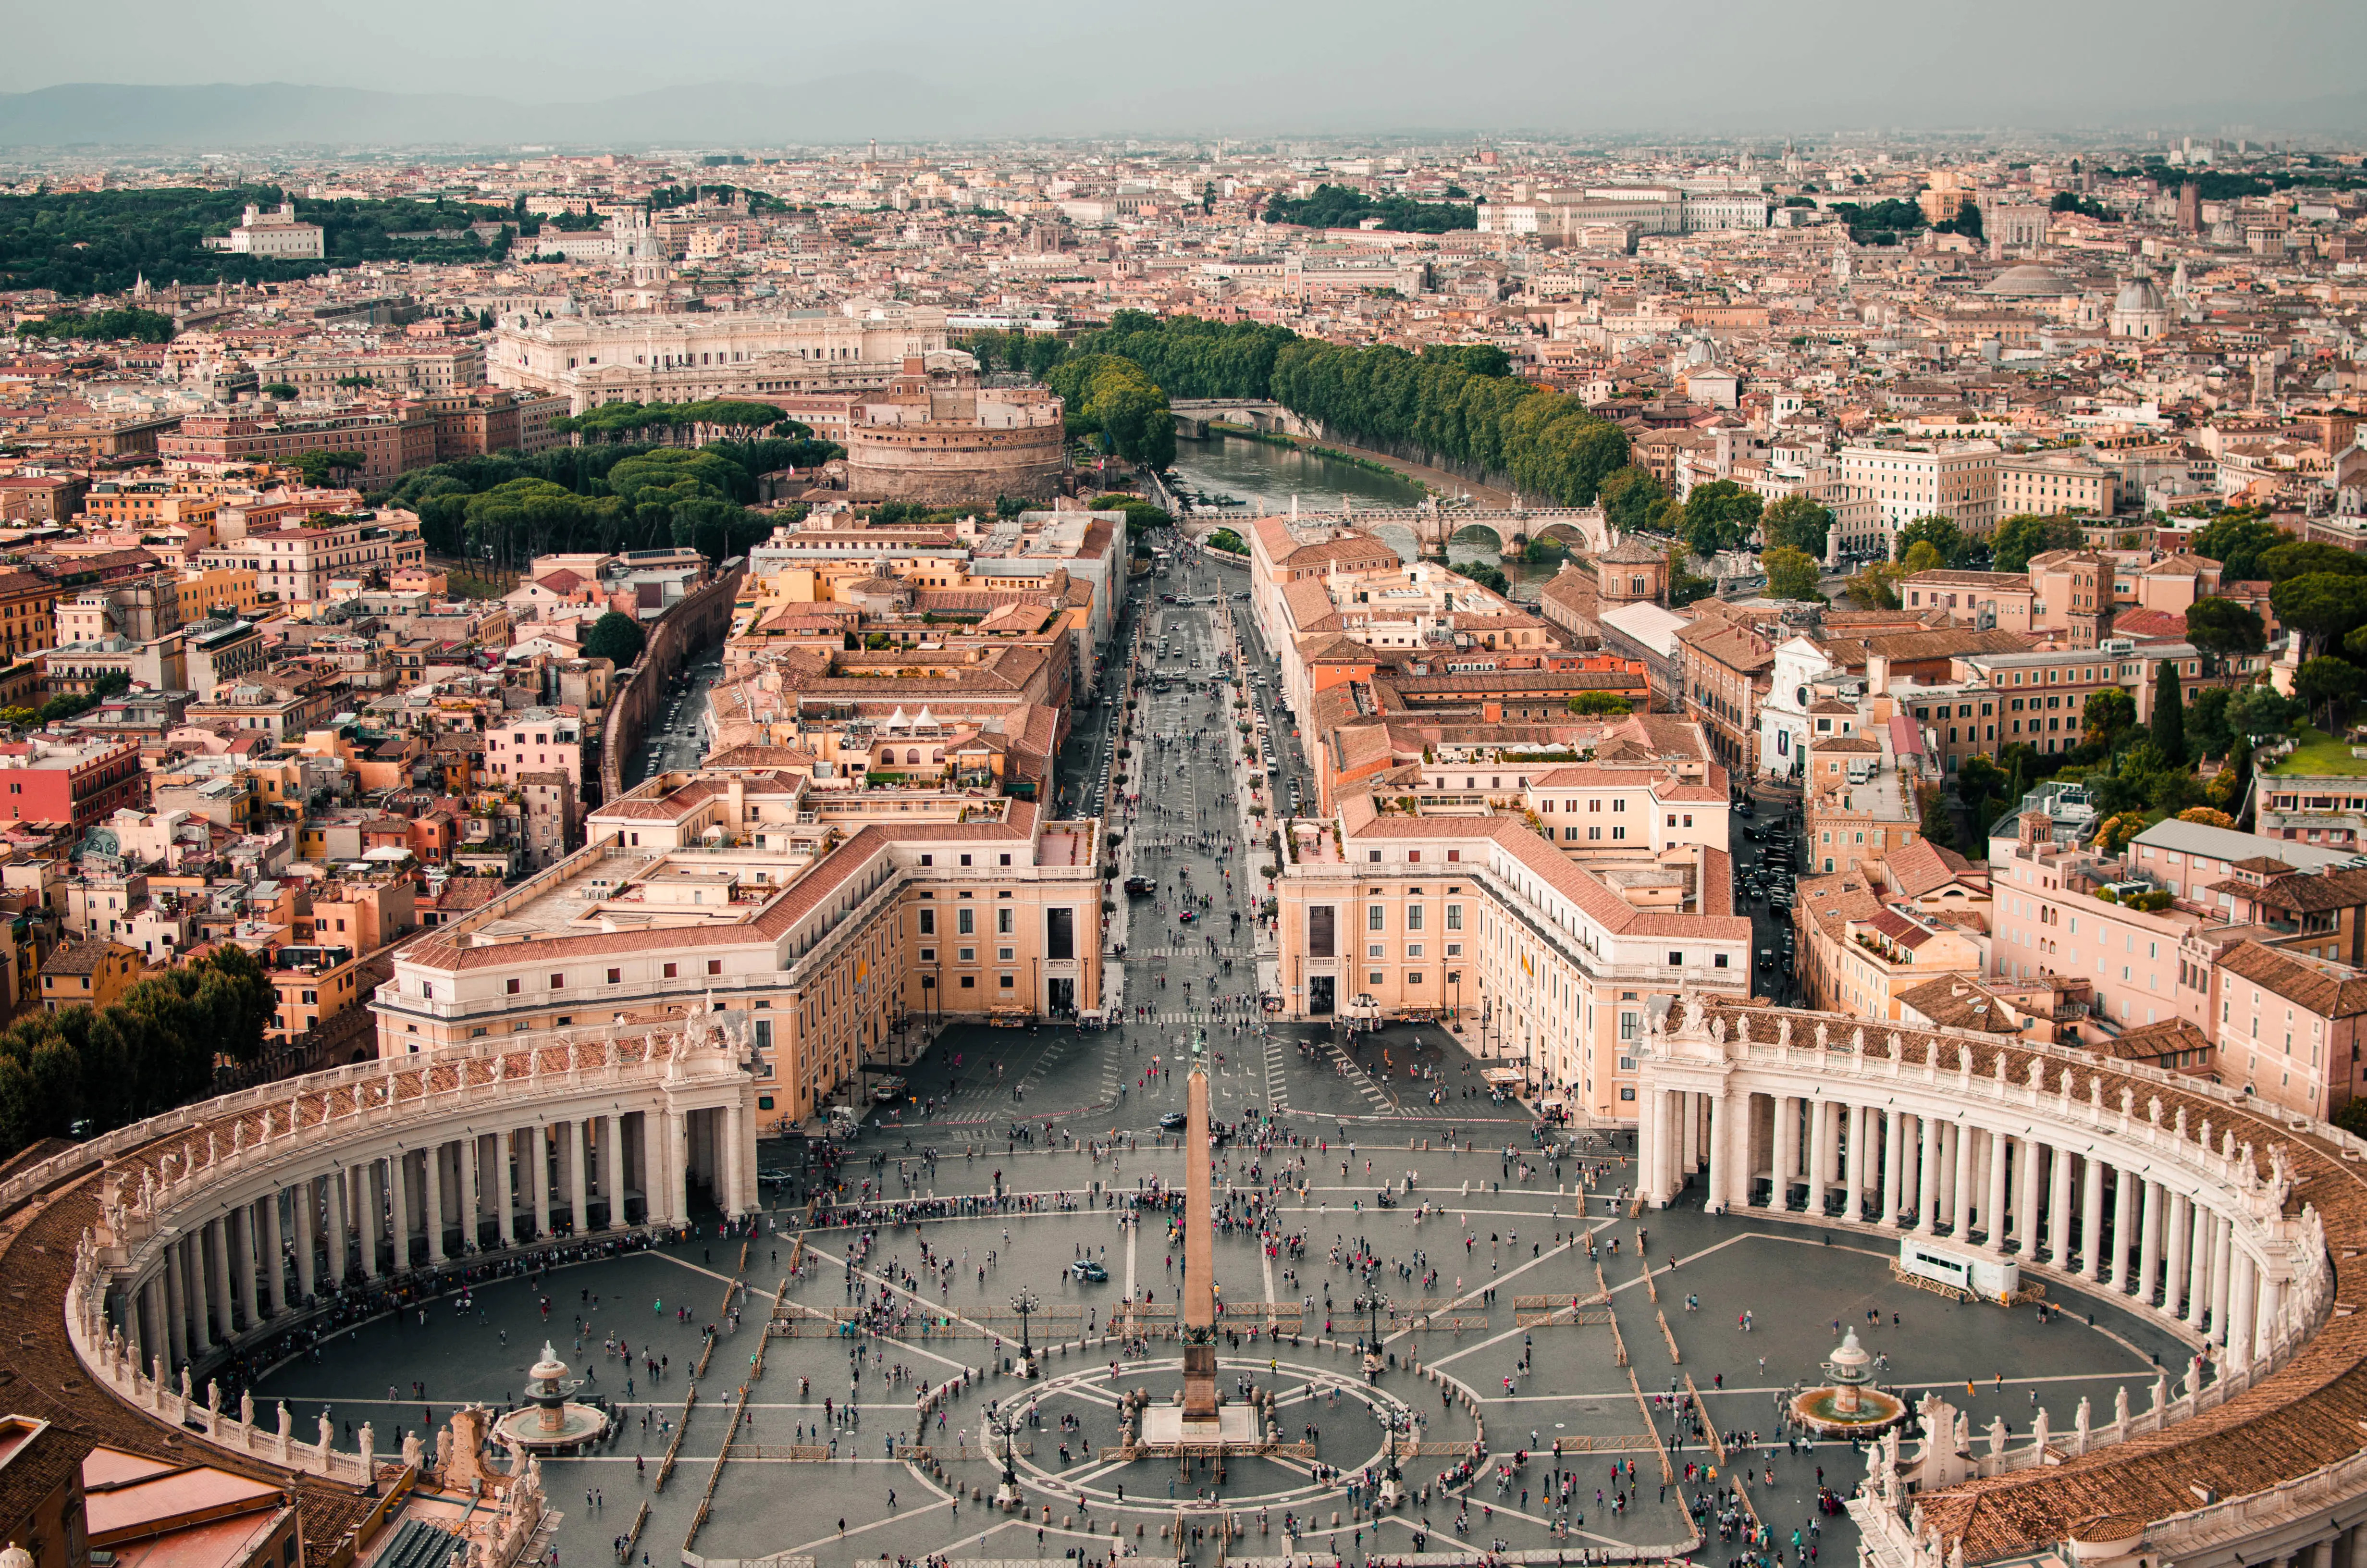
(1828, 1411)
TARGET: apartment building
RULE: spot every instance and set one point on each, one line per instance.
(823, 928)
(82, 783)
(391, 444)
(1567, 963)
(27, 613)
(1957, 479)
(299, 564)
(2055, 482)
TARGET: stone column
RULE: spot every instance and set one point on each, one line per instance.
(1894, 1163)
(2058, 1210)
(399, 1187)
(2149, 1243)
(217, 1280)
(2175, 1222)
(1786, 1152)
(538, 1142)
(2027, 1183)
(1962, 1152)
(431, 1204)
(306, 1226)
(176, 1304)
(1853, 1163)
(1651, 1149)
(677, 1171)
(2223, 1276)
(1993, 1203)
(1720, 1135)
(340, 1221)
(612, 1165)
(2202, 1246)
(371, 1223)
(2122, 1255)
(1820, 1152)
(575, 1140)
(2243, 1302)
(505, 1183)
(274, 1259)
(471, 1153)
(1927, 1189)
(2272, 1303)
(2091, 1217)
(240, 1245)
(152, 1334)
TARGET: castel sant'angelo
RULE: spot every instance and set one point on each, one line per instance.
(938, 437)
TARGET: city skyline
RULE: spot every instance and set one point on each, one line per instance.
(924, 71)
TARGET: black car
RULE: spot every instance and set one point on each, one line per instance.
(1140, 887)
(1173, 1120)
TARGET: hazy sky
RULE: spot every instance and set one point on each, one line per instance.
(1578, 65)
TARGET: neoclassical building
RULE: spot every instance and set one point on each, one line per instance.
(2233, 1224)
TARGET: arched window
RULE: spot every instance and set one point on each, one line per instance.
(913, 756)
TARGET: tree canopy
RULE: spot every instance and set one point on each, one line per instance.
(1342, 206)
(616, 637)
(152, 1050)
(1796, 522)
(2236, 539)
(133, 324)
(1720, 515)
(1791, 574)
(1942, 534)
(1114, 398)
(2026, 534)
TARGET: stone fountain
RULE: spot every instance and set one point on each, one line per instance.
(1848, 1405)
(549, 1422)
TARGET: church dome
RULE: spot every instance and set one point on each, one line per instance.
(2028, 281)
(2138, 294)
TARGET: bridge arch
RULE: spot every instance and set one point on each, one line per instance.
(1401, 538)
(1464, 542)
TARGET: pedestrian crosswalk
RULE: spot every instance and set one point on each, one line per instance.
(1201, 952)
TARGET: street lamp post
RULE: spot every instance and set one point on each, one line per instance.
(1024, 1302)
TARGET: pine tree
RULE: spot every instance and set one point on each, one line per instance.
(2168, 713)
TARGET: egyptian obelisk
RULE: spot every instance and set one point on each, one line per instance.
(1199, 1247)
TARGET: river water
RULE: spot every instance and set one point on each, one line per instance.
(1265, 477)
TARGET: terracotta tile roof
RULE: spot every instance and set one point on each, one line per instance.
(2331, 991)
(1958, 1002)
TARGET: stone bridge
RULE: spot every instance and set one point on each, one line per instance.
(1194, 416)
(1434, 528)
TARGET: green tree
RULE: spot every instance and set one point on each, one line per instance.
(278, 391)
(322, 469)
(616, 637)
(2322, 605)
(1796, 522)
(1791, 574)
(1227, 540)
(2108, 714)
(1940, 533)
(2236, 539)
(1629, 495)
(2026, 534)
(2301, 557)
(2206, 722)
(1875, 585)
(2329, 683)
(2258, 710)
(1684, 585)
(2222, 627)
(1592, 704)
(102, 326)
(1921, 556)
(2168, 712)
(1491, 578)
(1938, 825)
(1720, 516)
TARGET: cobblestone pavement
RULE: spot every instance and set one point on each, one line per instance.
(1497, 1219)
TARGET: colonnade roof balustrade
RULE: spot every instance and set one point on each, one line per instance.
(2298, 1186)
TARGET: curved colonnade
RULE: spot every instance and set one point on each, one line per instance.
(221, 1224)
(2230, 1223)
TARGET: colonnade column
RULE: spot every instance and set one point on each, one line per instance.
(2092, 1218)
(176, 1304)
(505, 1183)
(2124, 1221)
(2202, 1246)
(2243, 1299)
(1894, 1160)
(734, 1159)
(1855, 1167)
(275, 1261)
(152, 1319)
(434, 1205)
(677, 1172)
(1962, 1164)
(472, 1151)
(2223, 1275)
(217, 1282)
(239, 1241)
(1719, 1131)
(2149, 1242)
(398, 1195)
(306, 1228)
(1651, 1149)
(1787, 1153)
(1993, 1204)
(346, 1188)
(2175, 1222)
(577, 1140)
(2024, 1198)
(1927, 1200)
(612, 1165)
(2058, 1210)
(538, 1143)
(1820, 1152)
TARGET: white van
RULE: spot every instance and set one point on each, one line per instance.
(1970, 1274)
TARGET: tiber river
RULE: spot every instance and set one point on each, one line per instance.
(1266, 477)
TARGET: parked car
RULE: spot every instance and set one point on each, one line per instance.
(1173, 1120)
(1085, 1268)
(1140, 887)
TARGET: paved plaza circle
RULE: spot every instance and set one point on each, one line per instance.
(1727, 1313)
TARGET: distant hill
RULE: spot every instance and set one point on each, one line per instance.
(225, 115)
